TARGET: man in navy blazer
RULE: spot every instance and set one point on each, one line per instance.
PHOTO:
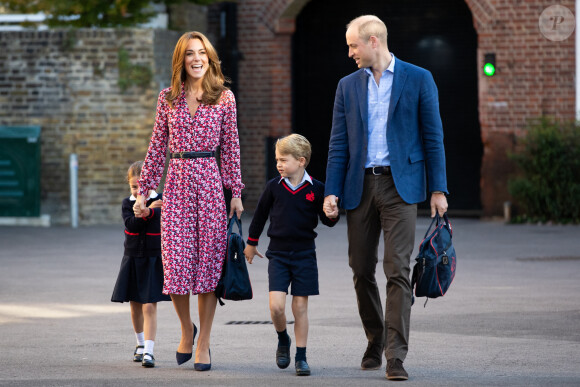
(386, 142)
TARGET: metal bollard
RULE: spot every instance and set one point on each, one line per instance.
(74, 190)
(507, 211)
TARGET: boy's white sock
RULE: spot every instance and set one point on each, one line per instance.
(149, 344)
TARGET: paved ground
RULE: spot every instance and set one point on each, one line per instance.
(512, 316)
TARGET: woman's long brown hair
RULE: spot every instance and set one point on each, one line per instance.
(213, 80)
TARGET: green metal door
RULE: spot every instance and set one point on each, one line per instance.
(19, 171)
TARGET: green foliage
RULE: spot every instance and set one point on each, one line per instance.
(92, 13)
(132, 74)
(549, 186)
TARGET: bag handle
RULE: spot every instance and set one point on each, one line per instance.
(238, 221)
(437, 219)
(447, 224)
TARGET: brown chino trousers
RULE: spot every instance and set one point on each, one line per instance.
(381, 208)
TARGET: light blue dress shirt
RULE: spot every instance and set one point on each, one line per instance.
(379, 99)
(305, 178)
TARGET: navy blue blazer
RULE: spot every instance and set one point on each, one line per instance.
(414, 136)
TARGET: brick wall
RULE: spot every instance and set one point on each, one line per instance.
(535, 76)
(187, 16)
(264, 97)
(66, 82)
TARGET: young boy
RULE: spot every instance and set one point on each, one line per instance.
(294, 203)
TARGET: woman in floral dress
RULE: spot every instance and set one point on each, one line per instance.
(194, 116)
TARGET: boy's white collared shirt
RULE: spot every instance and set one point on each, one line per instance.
(305, 178)
(153, 195)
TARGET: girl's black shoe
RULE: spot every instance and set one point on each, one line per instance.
(138, 357)
(148, 360)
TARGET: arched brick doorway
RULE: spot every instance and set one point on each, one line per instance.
(438, 36)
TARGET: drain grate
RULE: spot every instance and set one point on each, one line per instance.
(548, 259)
(253, 322)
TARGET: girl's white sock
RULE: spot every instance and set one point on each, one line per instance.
(149, 344)
(140, 341)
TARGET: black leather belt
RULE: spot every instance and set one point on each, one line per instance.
(191, 155)
(378, 171)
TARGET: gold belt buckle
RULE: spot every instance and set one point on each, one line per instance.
(181, 155)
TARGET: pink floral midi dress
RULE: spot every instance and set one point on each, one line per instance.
(194, 219)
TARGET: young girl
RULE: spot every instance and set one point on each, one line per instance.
(140, 278)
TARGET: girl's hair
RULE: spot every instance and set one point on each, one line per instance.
(213, 80)
(295, 145)
(134, 170)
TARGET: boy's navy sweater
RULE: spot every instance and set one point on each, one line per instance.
(293, 215)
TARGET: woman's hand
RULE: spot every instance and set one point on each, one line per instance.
(236, 205)
(140, 207)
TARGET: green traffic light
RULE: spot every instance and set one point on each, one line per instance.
(489, 69)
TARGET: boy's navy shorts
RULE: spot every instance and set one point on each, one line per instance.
(298, 268)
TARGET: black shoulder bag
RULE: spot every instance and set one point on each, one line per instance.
(234, 283)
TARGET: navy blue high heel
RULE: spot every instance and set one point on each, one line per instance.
(183, 357)
(203, 366)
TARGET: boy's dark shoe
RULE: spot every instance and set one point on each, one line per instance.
(283, 355)
(302, 368)
(372, 359)
(395, 370)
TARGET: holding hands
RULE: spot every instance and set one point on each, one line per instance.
(330, 206)
(140, 207)
(250, 252)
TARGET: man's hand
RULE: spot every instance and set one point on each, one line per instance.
(236, 205)
(330, 206)
(438, 204)
(251, 251)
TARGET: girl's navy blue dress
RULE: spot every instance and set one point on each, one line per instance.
(140, 277)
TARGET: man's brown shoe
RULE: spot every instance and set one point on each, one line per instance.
(395, 370)
(372, 359)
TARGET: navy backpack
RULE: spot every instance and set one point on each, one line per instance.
(436, 261)
(234, 283)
